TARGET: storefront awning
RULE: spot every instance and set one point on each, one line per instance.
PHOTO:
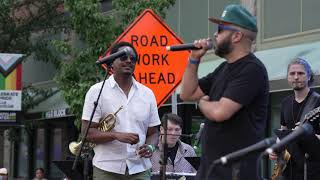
(55, 101)
(51, 108)
(276, 61)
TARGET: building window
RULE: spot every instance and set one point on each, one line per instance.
(310, 10)
(297, 17)
(40, 149)
(189, 18)
(106, 5)
(55, 152)
(23, 154)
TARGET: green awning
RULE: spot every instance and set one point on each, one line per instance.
(276, 61)
(53, 102)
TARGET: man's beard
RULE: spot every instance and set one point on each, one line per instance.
(223, 48)
(299, 87)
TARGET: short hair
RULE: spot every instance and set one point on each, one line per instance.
(41, 169)
(306, 66)
(115, 48)
(247, 33)
(173, 118)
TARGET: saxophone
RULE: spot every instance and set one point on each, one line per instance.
(106, 124)
(280, 164)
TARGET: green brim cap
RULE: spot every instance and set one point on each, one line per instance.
(237, 15)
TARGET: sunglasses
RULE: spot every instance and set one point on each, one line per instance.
(225, 27)
(132, 58)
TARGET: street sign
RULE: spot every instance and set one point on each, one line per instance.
(10, 100)
(158, 69)
(10, 88)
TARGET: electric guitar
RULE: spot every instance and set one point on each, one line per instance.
(284, 156)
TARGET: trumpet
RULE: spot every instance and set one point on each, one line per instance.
(106, 124)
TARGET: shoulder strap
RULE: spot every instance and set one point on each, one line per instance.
(310, 105)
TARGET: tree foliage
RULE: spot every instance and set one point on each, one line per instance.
(33, 95)
(96, 31)
(71, 34)
(26, 27)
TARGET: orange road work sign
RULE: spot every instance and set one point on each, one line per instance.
(157, 68)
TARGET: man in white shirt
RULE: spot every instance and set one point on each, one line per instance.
(123, 152)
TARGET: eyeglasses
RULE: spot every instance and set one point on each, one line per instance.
(225, 27)
(132, 58)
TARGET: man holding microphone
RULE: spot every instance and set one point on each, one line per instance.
(233, 98)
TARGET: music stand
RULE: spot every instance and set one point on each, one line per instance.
(194, 161)
(66, 168)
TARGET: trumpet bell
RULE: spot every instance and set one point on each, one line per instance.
(106, 124)
(74, 147)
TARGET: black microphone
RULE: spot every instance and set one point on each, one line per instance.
(260, 146)
(189, 46)
(198, 136)
(127, 51)
(300, 131)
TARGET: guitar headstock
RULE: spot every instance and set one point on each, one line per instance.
(312, 115)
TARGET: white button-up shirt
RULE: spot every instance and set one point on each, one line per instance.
(138, 114)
